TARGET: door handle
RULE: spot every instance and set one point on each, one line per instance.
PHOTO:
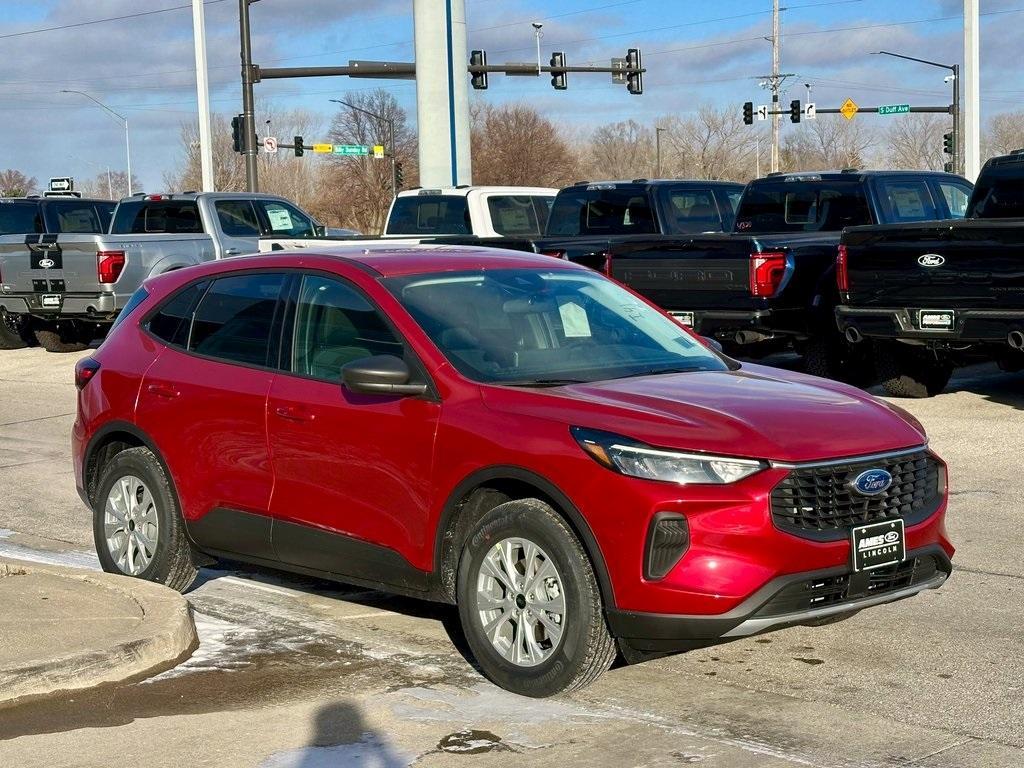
(162, 390)
(293, 413)
(232, 251)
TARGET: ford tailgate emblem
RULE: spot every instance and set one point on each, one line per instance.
(872, 482)
(46, 263)
(931, 260)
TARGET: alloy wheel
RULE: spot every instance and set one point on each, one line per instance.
(131, 525)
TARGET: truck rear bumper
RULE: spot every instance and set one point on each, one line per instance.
(93, 306)
(981, 326)
(725, 323)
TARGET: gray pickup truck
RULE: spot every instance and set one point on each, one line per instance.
(71, 286)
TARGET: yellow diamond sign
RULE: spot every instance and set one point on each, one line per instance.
(849, 109)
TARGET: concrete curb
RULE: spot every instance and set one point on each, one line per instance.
(165, 637)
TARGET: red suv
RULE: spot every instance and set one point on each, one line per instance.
(510, 433)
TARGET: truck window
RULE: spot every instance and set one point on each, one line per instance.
(284, 220)
(237, 218)
(430, 215)
(691, 211)
(601, 210)
(905, 200)
(958, 195)
(802, 207)
(20, 218)
(79, 217)
(999, 194)
(138, 217)
(518, 215)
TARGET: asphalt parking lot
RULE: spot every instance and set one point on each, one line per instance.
(297, 672)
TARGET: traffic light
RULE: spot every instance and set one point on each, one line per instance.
(559, 80)
(300, 147)
(948, 166)
(479, 79)
(794, 111)
(748, 113)
(399, 177)
(947, 143)
(634, 75)
(238, 133)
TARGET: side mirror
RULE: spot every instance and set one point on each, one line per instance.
(380, 375)
(715, 344)
(320, 230)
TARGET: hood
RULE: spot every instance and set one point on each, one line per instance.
(754, 412)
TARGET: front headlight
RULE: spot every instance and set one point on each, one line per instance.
(635, 459)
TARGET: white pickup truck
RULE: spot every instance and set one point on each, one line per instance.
(460, 215)
(71, 286)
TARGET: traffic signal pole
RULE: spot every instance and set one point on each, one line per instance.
(248, 102)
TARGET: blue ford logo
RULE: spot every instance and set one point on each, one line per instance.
(872, 482)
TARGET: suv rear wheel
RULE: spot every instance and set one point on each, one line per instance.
(14, 330)
(137, 523)
(908, 372)
(529, 602)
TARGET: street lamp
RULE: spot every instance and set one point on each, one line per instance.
(657, 151)
(955, 69)
(391, 138)
(122, 118)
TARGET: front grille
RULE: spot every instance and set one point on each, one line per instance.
(818, 502)
(835, 590)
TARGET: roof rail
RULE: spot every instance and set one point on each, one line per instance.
(640, 181)
(580, 182)
(776, 173)
(850, 170)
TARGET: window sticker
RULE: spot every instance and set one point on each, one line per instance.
(574, 321)
(280, 219)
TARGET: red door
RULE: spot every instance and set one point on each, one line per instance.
(352, 472)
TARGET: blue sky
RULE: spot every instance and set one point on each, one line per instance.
(696, 53)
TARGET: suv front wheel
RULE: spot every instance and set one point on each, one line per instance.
(529, 602)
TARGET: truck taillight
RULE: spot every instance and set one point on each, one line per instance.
(767, 271)
(607, 263)
(109, 265)
(85, 370)
(842, 270)
(554, 254)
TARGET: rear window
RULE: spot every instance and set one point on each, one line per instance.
(689, 211)
(430, 215)
(999, 194)
(138, 217)
(77, 217)
(20, 218)
(802, 206)
(602, 210)
(519, 215)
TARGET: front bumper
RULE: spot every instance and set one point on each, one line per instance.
(793, 599)
(970, 325)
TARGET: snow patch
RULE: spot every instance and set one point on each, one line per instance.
(71, 558)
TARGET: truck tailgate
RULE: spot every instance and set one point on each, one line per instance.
(49, 264)
(973, 263)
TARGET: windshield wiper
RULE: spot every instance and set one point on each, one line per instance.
(659, 371)
(542, 382)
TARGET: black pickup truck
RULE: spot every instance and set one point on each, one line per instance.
(926, 297)
(771, 281)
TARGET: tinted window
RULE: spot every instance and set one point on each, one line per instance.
(957, 197)
(237, 218)
(20, 218)
(999, 194)
(83, 218)
(906, 201)
(691, 210)
(335, 325)
(138, 217)
(518, 216)
(430, 215)
(601, 210)
(134, 300)
(173, 321)
(235, 318)
(802, 206)
(286, 220)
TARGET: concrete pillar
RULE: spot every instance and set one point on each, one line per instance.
(971, 75)
(442, 92)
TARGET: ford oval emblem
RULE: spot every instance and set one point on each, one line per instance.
(931, 260)
(46, 263)
(872, 482)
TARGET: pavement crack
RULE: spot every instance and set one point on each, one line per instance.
(982, 572)
(39, 418)
(941, 750)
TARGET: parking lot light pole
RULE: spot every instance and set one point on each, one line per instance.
(391, 138)
(123, 119)
(955, 69)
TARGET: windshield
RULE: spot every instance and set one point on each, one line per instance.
(534, 328)
(802, 206)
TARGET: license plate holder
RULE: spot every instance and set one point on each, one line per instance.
(683, 318)
(877, 545)
(51, 301)
(936, 319)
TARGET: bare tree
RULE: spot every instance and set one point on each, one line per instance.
(14, 183)
(827, 143)
(1004, 135)
(112, 185)
(714, 144)
(514, 145)
(915, 142)
(622, 150)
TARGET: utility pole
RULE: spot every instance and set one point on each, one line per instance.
(203, 94)
(252, 183)
(657, 151)
(972, 92)
(775, 80)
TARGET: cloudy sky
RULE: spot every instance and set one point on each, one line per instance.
(142, 65)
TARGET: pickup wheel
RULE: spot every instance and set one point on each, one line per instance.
(909, 372)
(60, 337)
(833, 357)
(14, 330)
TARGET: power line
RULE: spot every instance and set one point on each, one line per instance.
(101, 21)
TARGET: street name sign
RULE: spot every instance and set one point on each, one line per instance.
(894, 109)
(351, 149)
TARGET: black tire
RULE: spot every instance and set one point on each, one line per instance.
(14, 330)
(585, 649)
(908, 372)
(59, 336)
(172, 563)
(833, 357)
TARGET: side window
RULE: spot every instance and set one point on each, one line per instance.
(335, 325)
(957, 197)
(286, 220)
(514, 216)
(78, 218)
(173, 320)
(237, 218)
(235, 318)
(908, 201)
